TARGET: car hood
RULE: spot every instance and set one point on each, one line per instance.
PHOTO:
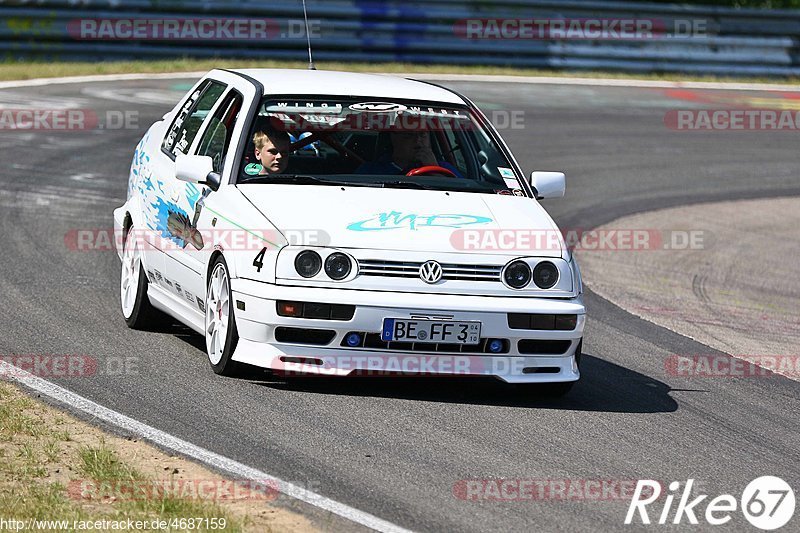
(405, 219)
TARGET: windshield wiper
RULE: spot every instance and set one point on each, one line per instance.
(406, 185)
(301, 179)
(290, 178)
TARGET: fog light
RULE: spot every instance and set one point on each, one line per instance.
(353, 340)
(495, 346)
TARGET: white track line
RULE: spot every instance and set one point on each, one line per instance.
(165, 440)
(534, 80)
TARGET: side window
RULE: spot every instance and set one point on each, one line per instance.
(191, 116)
(217, 137)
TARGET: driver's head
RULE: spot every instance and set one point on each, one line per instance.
(272, 149)
(412, 149)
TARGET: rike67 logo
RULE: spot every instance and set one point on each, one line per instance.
(767, 502)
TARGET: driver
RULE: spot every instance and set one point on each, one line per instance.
(272, 150)
(410, 150)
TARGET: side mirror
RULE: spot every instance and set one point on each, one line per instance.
(549, 184)
(197, 169)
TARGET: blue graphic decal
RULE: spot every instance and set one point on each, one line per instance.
(192, 194)
(165, 220)
(395, 220)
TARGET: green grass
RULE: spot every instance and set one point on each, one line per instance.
(32, 446)
(103, 465)
(29, 70)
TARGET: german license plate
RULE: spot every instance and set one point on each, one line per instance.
(431, 331)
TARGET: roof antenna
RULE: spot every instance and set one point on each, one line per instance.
(308, 38)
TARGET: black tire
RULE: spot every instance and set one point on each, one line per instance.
(225, 366)
(143, 316)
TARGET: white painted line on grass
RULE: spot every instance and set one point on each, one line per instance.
(165, 440)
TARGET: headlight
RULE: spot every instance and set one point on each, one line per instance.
(545, 275)
(337, 266)
(517, 274)
(308, 263)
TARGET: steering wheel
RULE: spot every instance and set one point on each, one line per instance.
(430, 169)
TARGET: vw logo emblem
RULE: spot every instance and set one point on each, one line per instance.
(430, 272)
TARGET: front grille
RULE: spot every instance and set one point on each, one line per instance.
(410, 269)
(373, 341)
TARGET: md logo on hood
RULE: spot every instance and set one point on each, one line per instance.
(396, 220)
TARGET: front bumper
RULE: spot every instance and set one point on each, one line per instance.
(258, 346)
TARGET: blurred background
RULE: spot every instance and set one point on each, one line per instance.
(756, 38)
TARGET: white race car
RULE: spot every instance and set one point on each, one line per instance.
(330, 223)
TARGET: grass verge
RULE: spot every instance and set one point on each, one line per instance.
(55, 468)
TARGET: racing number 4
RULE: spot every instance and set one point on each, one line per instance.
(258, 262)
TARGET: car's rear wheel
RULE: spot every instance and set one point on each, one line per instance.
(220, 324)
(136, 307)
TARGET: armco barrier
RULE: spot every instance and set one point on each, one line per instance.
(713, 41)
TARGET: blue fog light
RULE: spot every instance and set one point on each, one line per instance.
(353, 340)
(496, 346)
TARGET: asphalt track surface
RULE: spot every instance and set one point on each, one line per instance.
(397, 449)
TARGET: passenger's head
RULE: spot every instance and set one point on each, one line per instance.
(412, 149)
(272, 149)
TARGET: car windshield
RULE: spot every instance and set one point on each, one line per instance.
(361, 142)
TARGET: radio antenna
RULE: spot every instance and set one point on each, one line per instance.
(308, 38)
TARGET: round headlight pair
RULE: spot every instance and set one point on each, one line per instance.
(518, 275)
(308, 263)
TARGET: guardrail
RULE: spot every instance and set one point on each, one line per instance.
(696, 39)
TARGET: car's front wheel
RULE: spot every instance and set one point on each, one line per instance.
(220, 325)
(136, 307)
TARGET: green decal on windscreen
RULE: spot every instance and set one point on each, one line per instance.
(253, 169)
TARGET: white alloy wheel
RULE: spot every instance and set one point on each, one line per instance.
(217, 313)
(129, 279)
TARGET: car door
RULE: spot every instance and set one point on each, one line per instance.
(168, 209)
(217, 139)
